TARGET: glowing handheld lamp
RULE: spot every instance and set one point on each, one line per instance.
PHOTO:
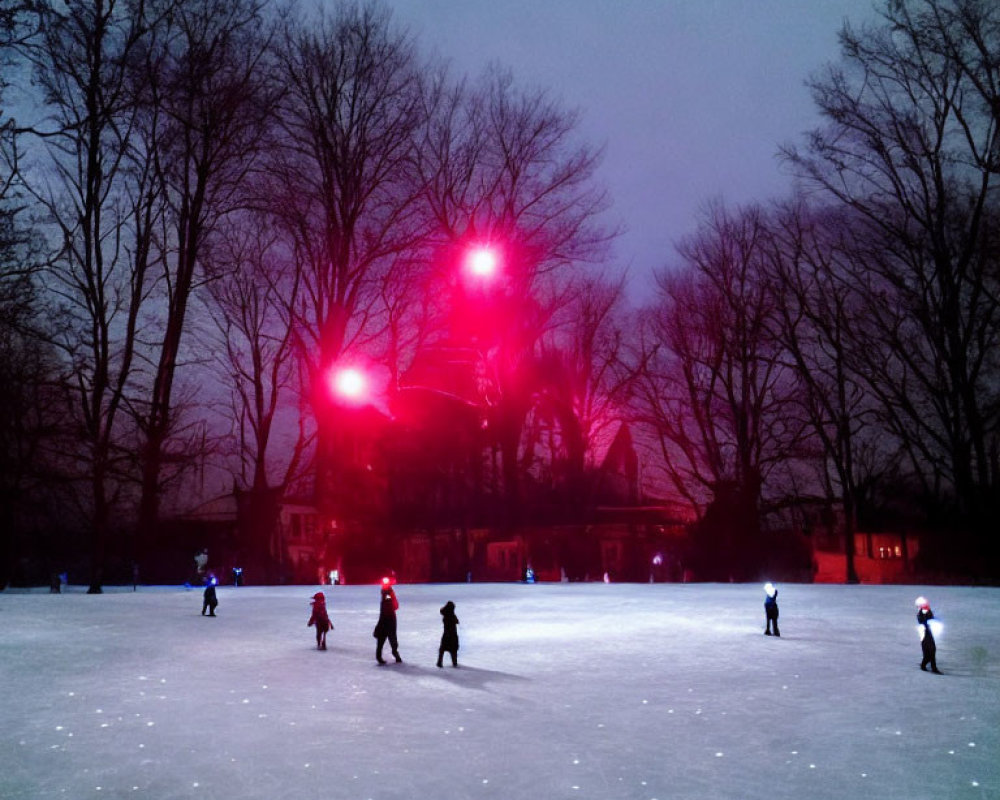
(769, 589)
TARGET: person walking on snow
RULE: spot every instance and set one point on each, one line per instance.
(209, 600)
(927, 643)
(771, 609)
(385, 628)
(449, 639)
(321, 619)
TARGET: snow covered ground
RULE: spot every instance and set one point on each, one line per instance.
(564, 691)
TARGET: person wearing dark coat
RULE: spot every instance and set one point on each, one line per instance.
(209, 600)
(321, 619)
(449, 639)
(927, 643)
(771, 609)
(385, 628)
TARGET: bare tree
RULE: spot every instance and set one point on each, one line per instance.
(502, 168)
(714, 386)
(343, 190)
(912, 149)
(820, 323)
(256, 350)
(256, 344)
(30, 404)
(207, 104)
(580, 392)
(82, 56)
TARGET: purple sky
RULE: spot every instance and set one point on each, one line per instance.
(690, 97)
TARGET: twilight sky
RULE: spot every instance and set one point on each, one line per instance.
(690, 97)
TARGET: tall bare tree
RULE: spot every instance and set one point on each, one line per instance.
(343, 189)
(580, 391)
(912, 147)
(209, 100)
(820, 323)
(502, 167)
(256, 344)
(250, 302)
(715, 388)
(82, 56)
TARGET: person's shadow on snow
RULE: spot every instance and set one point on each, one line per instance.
(469, 677)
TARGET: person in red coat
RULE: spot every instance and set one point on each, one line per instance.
(321, 619)
(385, 628)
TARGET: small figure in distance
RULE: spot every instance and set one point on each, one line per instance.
(771, 608)
(385, 628)
(927, 643)
(321, 619)
(209, 600)
(449, 638)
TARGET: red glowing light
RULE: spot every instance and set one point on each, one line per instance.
(349, 383)
(482, 263)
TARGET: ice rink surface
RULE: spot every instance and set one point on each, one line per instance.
(563, 691)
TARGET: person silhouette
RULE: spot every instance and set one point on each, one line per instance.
(321, 619)
(927, 644)
(449, 638)
(385, 628)
(771, 609)
(209, 599)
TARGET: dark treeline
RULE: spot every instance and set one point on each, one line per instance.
(208, 205)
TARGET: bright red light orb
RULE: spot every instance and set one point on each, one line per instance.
(349, 383)
(482, 263)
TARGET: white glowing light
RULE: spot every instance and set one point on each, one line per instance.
(769, 589)
(920, 602)
(482, 262)
(936, 626)
(349, 382)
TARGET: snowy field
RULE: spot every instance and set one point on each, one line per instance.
(563, 691)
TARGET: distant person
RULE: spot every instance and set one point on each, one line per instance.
(927, 644)
(321, 619)
(771, 609)
(209, 601)
(449, 638)
(385, 628)
(201, 561)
